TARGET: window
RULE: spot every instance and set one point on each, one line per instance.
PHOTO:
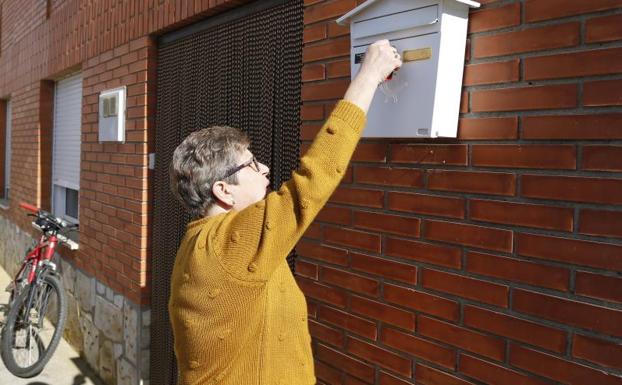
(66, 148)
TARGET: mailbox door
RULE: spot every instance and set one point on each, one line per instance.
(402, 108)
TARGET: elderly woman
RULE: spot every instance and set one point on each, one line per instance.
(238, 316)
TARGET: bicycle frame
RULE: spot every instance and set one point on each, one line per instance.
(43, 251)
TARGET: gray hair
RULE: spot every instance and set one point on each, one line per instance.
(202, 159)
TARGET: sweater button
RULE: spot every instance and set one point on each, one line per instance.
(220, 376)
(304, 203)
(235, 237)
(186, 277)
(223, 334)
(339, 170)
(201, 245)
(193, 364)
(252, 267)
(213, 293)
(331, 130)
(281, 337)
(269, 225)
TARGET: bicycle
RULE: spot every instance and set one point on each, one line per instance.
(30, 334)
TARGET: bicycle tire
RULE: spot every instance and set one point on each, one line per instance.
(12, 319)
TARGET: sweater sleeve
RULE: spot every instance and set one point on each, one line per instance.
(251, 243)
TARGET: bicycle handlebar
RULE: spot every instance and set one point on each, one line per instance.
(29, 207)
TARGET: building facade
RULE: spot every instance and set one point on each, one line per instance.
(493, 258)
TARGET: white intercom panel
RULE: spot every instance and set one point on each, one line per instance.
(422, 99)
(112, 115)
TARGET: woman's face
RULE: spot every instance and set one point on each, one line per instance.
(253, 185)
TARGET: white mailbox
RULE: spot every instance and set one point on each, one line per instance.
(112, 115)
(422, 99)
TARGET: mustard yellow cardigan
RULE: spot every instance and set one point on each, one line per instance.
(237, 313)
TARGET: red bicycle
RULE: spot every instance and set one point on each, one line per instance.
(37, 305)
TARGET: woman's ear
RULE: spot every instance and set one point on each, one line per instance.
(222, 193)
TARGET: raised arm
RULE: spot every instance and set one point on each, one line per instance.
(251, 243)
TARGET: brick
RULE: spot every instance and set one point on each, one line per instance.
(352, 238)
(328, 10)
(536, 10)
(521, 214)
(528, 40)
(473, 182)
(429, 376)
(604, 287)
(336, 215)
(381, 357)
(306, 269)
(326, 334)
(489, 19)
(325, 373)
(494, 374)
(312, 72)
(598, 351)
(602, 93)
(350, 281)
(334, 89)
(359, 197)
(573, 127)
(446, 256)
(601, 222)
(384, 268)
(468, 235)
(571, 251)
(382, 312)
(576, 64)
(370, 152)
(568, 312)
(419, 347)
(488, 128)
(348, 364)
(525, 98)
(576, 189)
(450, 154)
(515, 328)
(603, 29)
(328, 49)
(322, 292)
(465, 287)
(335, 30)
(427, 204)
(518, 271)
(487, 346)
(602, 158)
(387, 379)
(312, 112)
(321, 252)
(384, 223)
(524, 156)
(354, 324)
(491, 73)
(422, 302)
(338, 69)
(313, 33)
(558, 369)
(389, 176)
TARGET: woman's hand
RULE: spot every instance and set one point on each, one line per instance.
(381, 59)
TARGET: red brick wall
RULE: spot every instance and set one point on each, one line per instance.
(493, 258)
(109, 43)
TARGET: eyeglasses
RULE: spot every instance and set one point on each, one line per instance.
(254, 165)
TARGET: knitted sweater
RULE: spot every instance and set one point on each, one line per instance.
(237, 313)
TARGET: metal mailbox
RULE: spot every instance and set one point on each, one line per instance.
(422, 99)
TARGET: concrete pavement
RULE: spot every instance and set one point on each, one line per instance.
(65, 368)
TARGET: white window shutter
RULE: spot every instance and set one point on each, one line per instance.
(67, 131)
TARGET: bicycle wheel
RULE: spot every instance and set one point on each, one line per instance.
(32, 333)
